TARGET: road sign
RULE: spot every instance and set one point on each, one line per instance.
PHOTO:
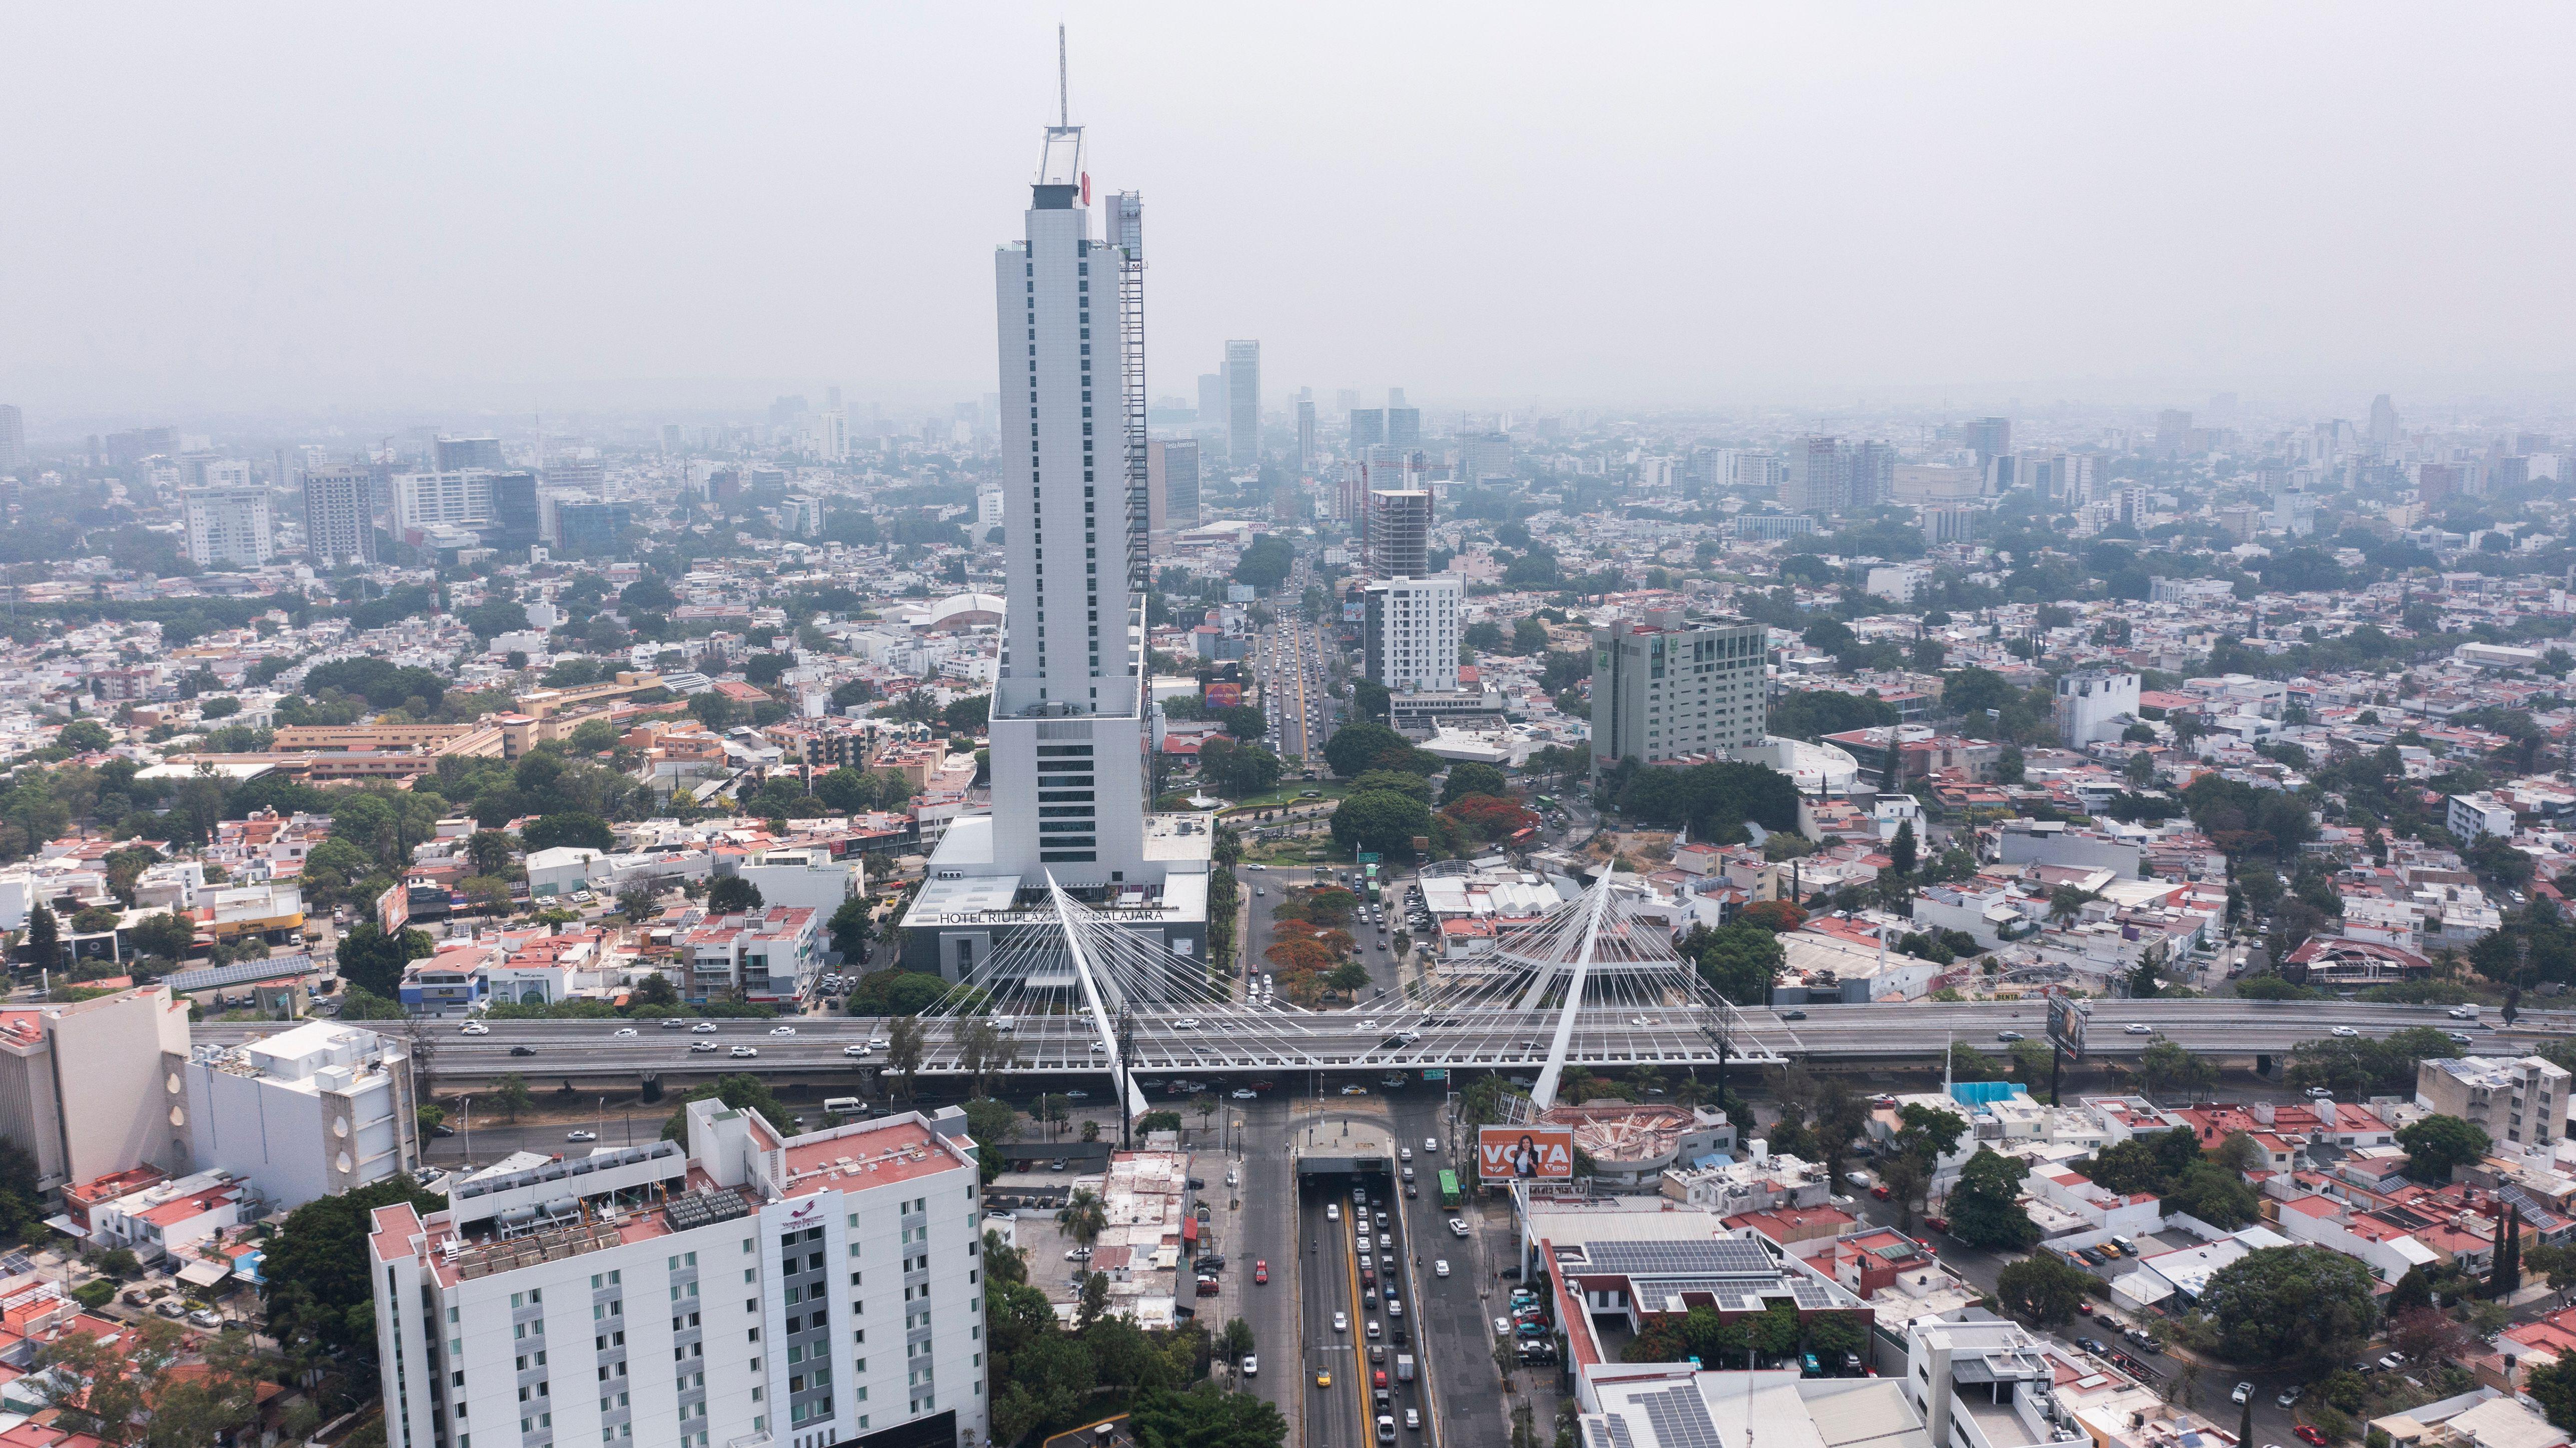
(1369, 857)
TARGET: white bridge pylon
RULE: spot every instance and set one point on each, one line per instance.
(1135, 1099)
(1576, 978)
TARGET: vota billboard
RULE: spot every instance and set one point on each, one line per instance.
(1540, 1153)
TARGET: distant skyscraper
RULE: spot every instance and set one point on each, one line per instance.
(517, 522)
(1211, 400)
(1872, 475)
(455, 454)
(1305, 430)
(13, 436)
(1485, 455)
(1819, 476)
(2383, 422)
(422, 499)
(1991, 437)
(2173, 431)
(1243, 404)
(1404, 426)
(227, 526)
(1172, 484)
(671, 442)
(339, 515)
(590, 530)
(1368, 429)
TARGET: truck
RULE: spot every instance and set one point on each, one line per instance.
(2464, 1013)
(1404, 1367)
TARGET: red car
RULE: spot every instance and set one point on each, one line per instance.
(1260, 1270)
(2309, 1434)
(1938, 1224)
(1879, 1192)
(2084, 1307)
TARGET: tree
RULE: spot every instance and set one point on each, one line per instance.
(1357, 747)
(373, 961)
(2436, 1145)
(43, 946)
(2292, 1306)
(1739, 961)
(1985, 1210)
(732, 895)
(1349, 978)
(1205, 1417)
(1236, 770)
(1083, 1217)
(637, 904)
(511, 1091)
(741, 1092)
(572, 829)
(1265, 564)
(991, 1123)
(849, 926)
(165, 934)
(2170, 1073)
(1469, 777)
(1382, 821)
(2041, 1291)
(896, 992)
(1900, 851)
(2214, 1194)
(904, 1043)
(2553, 1386)
(319, 1290)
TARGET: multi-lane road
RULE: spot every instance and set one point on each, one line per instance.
(1292, 673)
(1362, 1042)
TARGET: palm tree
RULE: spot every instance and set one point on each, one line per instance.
(1083, 1217)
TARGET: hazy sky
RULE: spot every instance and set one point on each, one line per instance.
(219, 207)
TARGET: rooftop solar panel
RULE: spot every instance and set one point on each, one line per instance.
(1679, 1417)
(1714, 1256)
(242, 972)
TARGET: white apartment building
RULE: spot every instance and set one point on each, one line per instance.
(808, 879)
(305, 1113)
(753, 1288)
(423, 500)
(82, 1085)
(2472, 816)
(228, 527)
(2522, 1102)
(339, 515)
(1412, 633)
(2095, 704)
(168, 1218)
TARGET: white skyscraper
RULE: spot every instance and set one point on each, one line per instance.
(1069, 717)
(227, 526)
(1243, 404)
(339, 515)
(13, 436)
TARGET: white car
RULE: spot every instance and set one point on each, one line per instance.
(1251, 1365)
(1457, 1226)
(1404, 1153)
(1430, 1145)
(1341, 1322)
(854, 1050)
(1332, 1211)
(474, 1028)
(702, 1047)
(704, 1028)
(624, 1031)
(1186, 1023)
(2138, 1028)
(878, 1043)
(744, 1051)
(1439, 1266)
(2345, 1031)
(581, 1136)
(782, 1030)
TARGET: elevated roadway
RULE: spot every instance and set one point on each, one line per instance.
(1244, 1042)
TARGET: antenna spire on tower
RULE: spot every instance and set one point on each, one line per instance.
(1063, 98)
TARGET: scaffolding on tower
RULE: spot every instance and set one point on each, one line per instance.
(1127, 240)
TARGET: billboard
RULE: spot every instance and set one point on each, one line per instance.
(2067, 1018)
(1544, 1153)
(1224, 696)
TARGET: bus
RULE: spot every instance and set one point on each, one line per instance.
(1449, 1189)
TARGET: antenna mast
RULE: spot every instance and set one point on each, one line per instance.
(1063, 100)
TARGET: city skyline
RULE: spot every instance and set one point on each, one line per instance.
(2201, 217)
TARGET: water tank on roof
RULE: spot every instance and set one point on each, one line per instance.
(562, 1207)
